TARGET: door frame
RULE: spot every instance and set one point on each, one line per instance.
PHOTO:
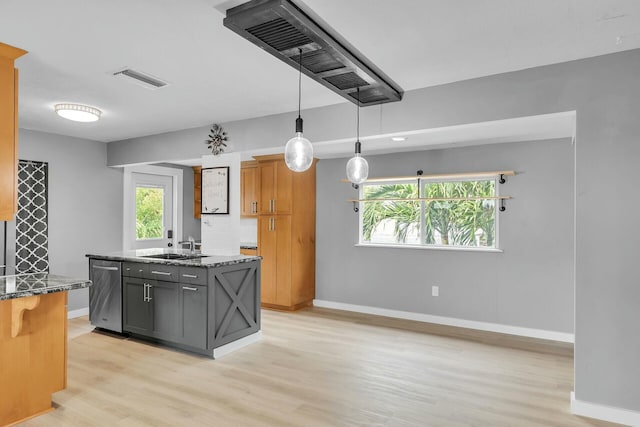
(129, 200)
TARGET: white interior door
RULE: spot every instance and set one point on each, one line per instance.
(153, 211)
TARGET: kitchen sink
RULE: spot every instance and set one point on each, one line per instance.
(174, 256)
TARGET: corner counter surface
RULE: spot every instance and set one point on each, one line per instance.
(30, 284)
(201, 260)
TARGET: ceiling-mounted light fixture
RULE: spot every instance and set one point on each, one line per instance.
(78, 112)
(357, 166)
(298, 153)
(398, 138)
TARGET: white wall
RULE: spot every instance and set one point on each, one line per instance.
(221, 233)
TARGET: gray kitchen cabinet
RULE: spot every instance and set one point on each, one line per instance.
(164, 297)
(197, 308)
(137, 310)
(193, 311)
(151, 308)
(165, 309)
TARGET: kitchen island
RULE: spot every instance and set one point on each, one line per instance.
(33, 342)
(208, 305)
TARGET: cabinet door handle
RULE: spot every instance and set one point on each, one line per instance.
(149, 286)
(189, 288)
(274, 205)
(144, 293)
(190, 276)
(162, 273)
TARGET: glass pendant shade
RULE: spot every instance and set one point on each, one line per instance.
(357, 169)
(298, 153)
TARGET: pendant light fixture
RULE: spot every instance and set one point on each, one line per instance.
(357, 166)
(298, 153)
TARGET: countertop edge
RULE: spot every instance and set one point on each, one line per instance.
(44, 291)
(203, 262)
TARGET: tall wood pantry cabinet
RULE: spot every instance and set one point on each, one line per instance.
(8, 131)
(286, 233)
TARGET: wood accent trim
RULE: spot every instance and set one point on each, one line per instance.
(288, 307)
(249, 164)
(197, 191)
(16, 86)
(18, 307)
(11, 52)
(492, 174)
(269, 157)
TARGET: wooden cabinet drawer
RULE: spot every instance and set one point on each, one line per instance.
(166, 273)
(135, 269)
(193, 275)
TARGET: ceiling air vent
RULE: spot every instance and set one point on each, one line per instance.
(283, 28)
(140, 78)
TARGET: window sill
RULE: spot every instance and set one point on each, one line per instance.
(437, 248)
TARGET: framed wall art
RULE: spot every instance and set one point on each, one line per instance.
(215, 191)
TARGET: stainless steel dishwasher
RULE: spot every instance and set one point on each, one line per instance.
(105, 296)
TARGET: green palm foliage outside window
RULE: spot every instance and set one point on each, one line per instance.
(462, 217)
(149, 209)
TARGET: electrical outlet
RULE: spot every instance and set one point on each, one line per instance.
(435, 291)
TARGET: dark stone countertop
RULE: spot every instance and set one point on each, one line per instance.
(143, 255)
(248, 245)
(27, 285)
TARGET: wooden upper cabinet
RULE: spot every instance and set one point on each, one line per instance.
(266, 189)
(275, 187)
(197, 190)
(8, 131)
(249, 189)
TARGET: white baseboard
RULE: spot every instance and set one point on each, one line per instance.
(78, 313)
(450, 321)
(237, 344)
(603, 412)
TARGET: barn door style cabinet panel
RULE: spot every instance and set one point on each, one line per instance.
(8, 131)
(286, 233)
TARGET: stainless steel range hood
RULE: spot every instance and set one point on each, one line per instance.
(282, 28)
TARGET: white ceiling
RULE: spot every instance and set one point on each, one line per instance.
(216, 76)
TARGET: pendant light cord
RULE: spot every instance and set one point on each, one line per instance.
(299, 80)
(358, 114)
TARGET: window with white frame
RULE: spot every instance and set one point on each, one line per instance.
(430, 212)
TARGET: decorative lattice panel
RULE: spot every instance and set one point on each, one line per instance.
(32, 242)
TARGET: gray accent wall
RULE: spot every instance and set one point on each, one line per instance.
(605, 93)
(529, 284)
(85, 202)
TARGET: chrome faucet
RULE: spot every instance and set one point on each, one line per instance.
(192, 245)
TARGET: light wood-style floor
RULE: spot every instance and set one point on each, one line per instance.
(319, 367)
